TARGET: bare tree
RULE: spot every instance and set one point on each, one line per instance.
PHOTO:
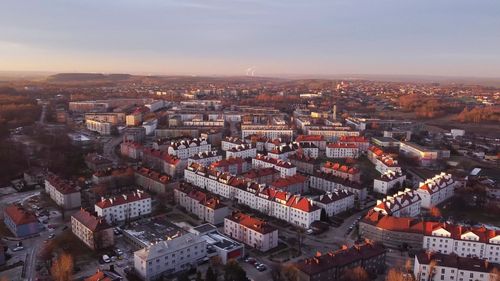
(355, 274)
(62, 268)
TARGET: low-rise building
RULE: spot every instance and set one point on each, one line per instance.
(436, 190)
(124, 207)
(332, 265)
(186, 148)
(97, 162)
(286, 168)
(93, 231)
(438, 266)
(242, 151)
(304, 164)
(169, 256)
(261, 176)
(360, 142)
(402, 204)
(383, 162)
(131, 149)
(234, 166)
(335, 202)
(330, 182)
(219, 244)
(21, 222)
(254, 232)
(230, 142)
(342, 171)
(201, 203)
(103, 128)
(342, 150)
(64, 193)
(388, 181)
(205, 158)
(296, 184)
(425, 156)
(318, 140)
(152, 180)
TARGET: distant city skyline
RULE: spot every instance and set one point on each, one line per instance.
(241, 37)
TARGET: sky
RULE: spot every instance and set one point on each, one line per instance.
(270, 37)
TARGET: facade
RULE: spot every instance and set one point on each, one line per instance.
(342, 171)
(262, 176)
(21, 222)
(387, 181)
(234, 166)
(242, 151)
(402, 204)
(286, 168)
(474, 242)
(360, 142)
(330, 182)
(64, 193)
(186, 148)
(151, 180)
(205, 158)
(230, 142)
(332, 265)
(318, 140)
(201, 203)
(269, 131)
(438, 266)
(93, 231)
(219, 244)
(170, 256)
(124, 207)
(296, 184)
(383, 162)
(131, 149)
(103, 128)
(304, 164)
(436, 190)
(162, 161)
(114, 118)
(335, 202)
(342, 150)
(424, 155)
(253, 232)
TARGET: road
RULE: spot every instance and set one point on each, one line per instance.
(109, 149)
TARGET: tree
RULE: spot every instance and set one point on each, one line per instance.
(234, 272)
(210, 275)
(198, 276)
(397, 275)
(183, 277)
(62, 268)
(355, 274)
(290, 273)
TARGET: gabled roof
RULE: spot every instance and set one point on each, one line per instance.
(20, 215)
(90, 221)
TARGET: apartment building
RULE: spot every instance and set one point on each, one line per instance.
(330, 182)
(332, 265)
(424, 155)
(20, 221)
(475, 242)
(230, 142)
(205, 158)
(437, 189)
(103, 128)
(296, 184)
(304, 164)
(286, 168)
(341, 150)
(64, 193)
(342, 171)
(241, 151)
(162, 161)
(186, 148)
(383, 162)
(234, 166)
(114, 118)
(131, 149)
(330, 133)
(438, 266)
(360, 142)
(93, 231)
(201, 203)
(318, 140)
(388, 181)
(152, 180)
(402, 204)
(261, 176)
(124, 207)
(269, 131)
(170, 256)
(335, 202)
(253, 232)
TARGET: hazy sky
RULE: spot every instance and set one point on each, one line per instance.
(440, 37)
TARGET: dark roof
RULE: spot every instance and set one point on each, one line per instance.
(454, 261)
(90, 221)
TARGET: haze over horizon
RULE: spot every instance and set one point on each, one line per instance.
(238, 37)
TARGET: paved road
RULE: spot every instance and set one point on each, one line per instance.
(109, 149)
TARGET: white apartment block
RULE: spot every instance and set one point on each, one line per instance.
(253, 232)
(199, 202)
(338, 150)
(335, 202)
(360, 142)
(330, 133)
(437, 266)
(230, 142)
(387, 181)
(205, 158)
(103, 128)
(124, 207)
(383, 162)
(242, 151)
(329, 183)
(170, 256)
(342, 171)
(286, 169)
(318, 141)
(402, 204)
(436, 190)
(269, 131)
(64, 193)
(475, 242)
(282, 205)
(187, 148)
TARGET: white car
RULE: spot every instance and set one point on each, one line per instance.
(19, 248)
(106, 259)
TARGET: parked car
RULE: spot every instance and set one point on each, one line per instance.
(309, 231)
(118, 252)
(17, 249)
(106, 259)
(52, 235)
(250, 260)
(261, 267)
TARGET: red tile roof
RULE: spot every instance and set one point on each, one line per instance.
(122, 199)
(253, 223)
(63, 186)
(90, 221)
(309, 138)
(20, 215)
(283, 183)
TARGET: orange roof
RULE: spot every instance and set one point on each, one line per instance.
(353, 139)
(288, 181)
(253, 223)
(306, 138)
(19, 215)
(122, 199)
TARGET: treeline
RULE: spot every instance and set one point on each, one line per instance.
(16, 110)
(480, 114)
(429, 107)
